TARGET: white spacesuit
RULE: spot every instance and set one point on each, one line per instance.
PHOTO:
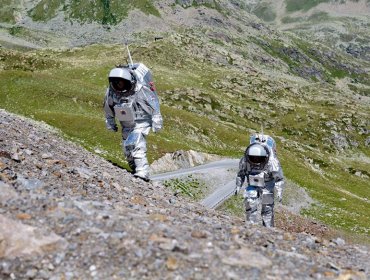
(133, 101)
(262, 169)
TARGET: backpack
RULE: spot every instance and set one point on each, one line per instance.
(266, 140)
(142, 74)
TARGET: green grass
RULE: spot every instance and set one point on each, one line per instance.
(289, 19)
(188, 186)
(8, 10)
(45, 10)
(265, 13)
(325, 189)
(210, 4)
(15, 30)
(360, 90)
(101, 11)
(305, 5)
(276, 50)
(234, 206)
(319, 17)
(66, 88)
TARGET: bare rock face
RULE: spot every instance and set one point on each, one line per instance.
(19, 240)
(68, 214)
(181, 159)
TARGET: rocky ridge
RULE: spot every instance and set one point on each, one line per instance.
(68, 214)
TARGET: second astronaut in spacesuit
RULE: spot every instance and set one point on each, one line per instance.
(261, 169)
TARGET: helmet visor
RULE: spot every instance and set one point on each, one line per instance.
(120, 85)
(257, 159)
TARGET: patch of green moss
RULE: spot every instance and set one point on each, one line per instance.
(189, 186)
(15, 30)
(360, 90)
(213, 5)
(233, 206)
(289, 19)
(265, 12)
(299, 5)
(102, 11)
(8, 10)
(13, 60)
(318, 17)
(45, 10)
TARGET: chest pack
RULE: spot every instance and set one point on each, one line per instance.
(257, 180)
(125, 111)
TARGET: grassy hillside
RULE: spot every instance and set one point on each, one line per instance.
(100, 11)
(211, 107)
(309, 88)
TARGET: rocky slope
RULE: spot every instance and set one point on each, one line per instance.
(68, 214)
(220, 73)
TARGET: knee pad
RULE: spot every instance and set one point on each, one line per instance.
(250, 203)
(247, 205)
(267, 198)
(132, 141)
(250, 193)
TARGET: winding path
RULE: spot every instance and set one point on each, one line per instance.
(222, 192)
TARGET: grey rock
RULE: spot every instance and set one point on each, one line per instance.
(30, 184)
(247, 258)
(28, 152)
(339, 241)
(367, 141)
(84, 172)
(46, 156)
(6, 192)
(31, 273)
(16, 157)
(340, 141)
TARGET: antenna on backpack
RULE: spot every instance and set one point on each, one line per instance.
(131, 64)
(129, 56)
(262, 129)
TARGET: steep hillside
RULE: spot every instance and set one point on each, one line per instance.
(342, 25)
(69, 214)
(221, 73)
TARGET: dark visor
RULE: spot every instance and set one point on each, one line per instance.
(120, 84)
(256, 159)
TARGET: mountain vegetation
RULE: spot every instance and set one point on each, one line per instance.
(222, 69)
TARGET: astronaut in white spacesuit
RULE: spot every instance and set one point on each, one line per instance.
(262, 169)
(132, 100)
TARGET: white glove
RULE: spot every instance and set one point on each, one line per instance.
(279, 196)
(157, 123)
(279, 188)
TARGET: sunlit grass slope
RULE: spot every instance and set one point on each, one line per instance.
(66, 90)
(209, 107)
